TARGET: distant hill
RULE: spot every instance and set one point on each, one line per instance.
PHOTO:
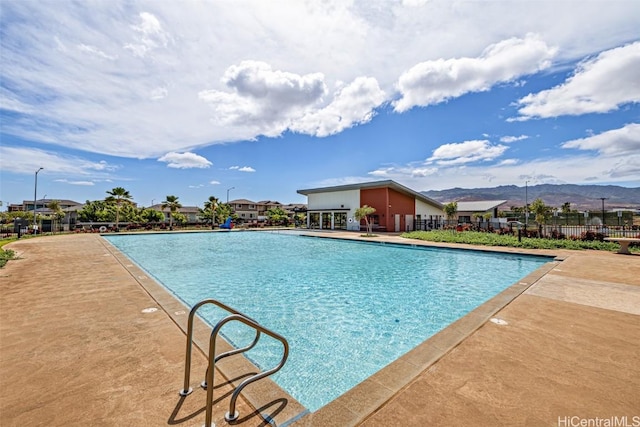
(581, 197)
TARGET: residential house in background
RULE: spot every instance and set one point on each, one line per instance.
(251, 212)
(191, 212)
(41, 205)
(246, 210)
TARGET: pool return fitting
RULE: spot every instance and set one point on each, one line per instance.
(234, 315)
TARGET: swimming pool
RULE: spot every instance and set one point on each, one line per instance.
(347, 308)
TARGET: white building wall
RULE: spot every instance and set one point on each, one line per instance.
(348, 199)
(424, 210)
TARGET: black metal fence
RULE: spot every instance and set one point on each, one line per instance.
(550, 231)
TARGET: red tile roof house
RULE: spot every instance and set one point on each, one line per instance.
(398, 208)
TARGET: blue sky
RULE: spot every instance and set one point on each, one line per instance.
(192, 99)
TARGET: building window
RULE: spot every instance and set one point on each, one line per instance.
(326, 221)
(314, 220)
(340, 220)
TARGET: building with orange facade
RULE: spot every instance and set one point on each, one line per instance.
(398, 208)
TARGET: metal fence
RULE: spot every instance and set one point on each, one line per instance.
(550, 231)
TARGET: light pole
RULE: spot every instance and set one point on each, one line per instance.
(229, 189)
(35, 197)
(526, 205)
(603, 221)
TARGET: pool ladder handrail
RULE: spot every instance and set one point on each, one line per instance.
(235, 315)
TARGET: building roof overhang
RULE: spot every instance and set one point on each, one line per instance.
(372, 185)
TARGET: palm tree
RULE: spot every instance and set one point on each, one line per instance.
(541, 212)
(210, 208)
(54, 205)
(363, 213)
(566, 210)
(450, 210)
(174, 205)
(118, 196)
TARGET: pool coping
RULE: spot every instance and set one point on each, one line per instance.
(361, 401)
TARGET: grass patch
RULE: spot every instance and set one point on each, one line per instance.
(493, 239)
(6, 255)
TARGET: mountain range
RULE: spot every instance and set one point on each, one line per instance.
(581, 197)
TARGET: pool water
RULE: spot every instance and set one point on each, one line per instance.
(346, 308)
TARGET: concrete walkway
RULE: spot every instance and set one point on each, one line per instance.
(79, 347)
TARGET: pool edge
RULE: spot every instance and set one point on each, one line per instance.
(363, 400)
(232, 369)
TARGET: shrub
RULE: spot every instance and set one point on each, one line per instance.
(5, 256)
(495, 239)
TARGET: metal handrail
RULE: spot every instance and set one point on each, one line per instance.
(186, 390)
(232, 415)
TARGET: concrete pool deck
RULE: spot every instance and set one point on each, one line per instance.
(78, 347)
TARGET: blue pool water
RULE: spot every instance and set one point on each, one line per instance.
(346, 308)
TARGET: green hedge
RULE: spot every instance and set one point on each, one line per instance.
(494, 239)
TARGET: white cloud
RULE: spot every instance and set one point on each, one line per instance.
(354, 103)
(80, 183)
(150, 35)
(558, 170)
(599, 85)
(466, 152)
(242, 169)
(185, 161)
(617, 142)
(508, 162)
(435, 81)
(141, 78)
(510, 139)
(214, 182)
(610, 157)
(30, 159)
(95, 51)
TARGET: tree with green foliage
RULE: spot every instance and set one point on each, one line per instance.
(208, 214)
(173, 205)
(566, 210)
(150, 215)
(57, 214)
(223, 212)
(450, 210)
(118, 197)
(130, 213)
(278, 216)
(299, 218)
(363, 213)
(95, 211)
(179, 218)
(541, 213)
